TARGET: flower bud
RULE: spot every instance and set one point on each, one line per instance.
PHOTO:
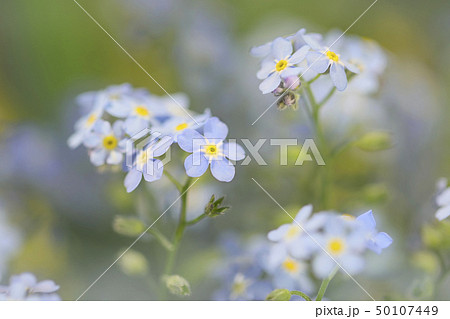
(292, 82)
(279, 295)
(177, 285)
(128, 226)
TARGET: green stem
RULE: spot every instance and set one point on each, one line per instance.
(180, 228)
(325, 283)
(327, 97)
(301, 294)
(315, 78)
(173, 180)
(196, 220)
(326, 175)
(161, 238)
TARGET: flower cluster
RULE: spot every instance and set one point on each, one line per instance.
(26, 287)
(288, 62)
(318, 242)
(120, 118)
(443, 199)
(324, 240)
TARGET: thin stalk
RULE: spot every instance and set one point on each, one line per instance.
(325, 283)
(173, 180)
(161, 238)
(196, 220)
(180, 228)
(301, 294)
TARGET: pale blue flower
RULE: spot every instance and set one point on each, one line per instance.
(287, 272)
(139, 112)
(210, 149)
(283, 64)
(145, 164)
(345, 242)
(85, 124)
(26, 287)
(369, 58)
(443, 199)
(324, 60)
(106, 143)
(298, 242)
(376, 241)
(176, 125)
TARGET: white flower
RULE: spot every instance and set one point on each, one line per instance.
(26, 287)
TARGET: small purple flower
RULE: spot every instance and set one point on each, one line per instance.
(375, 241)
(210, 149)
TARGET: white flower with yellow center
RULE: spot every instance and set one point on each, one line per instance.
(84, 126)
(283, 64)
(106, 143)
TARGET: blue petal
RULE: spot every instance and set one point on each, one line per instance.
(278, 234)
(367, 220)
(98, 156)
(266, 69)
(132, 180)
(153, 170)
(271, 83)
(214, 129)
(196, 164)
(134, 125)
(281, 48)
(299, 55)
(304, 213)
(233, 151)
(318, 61)
(338, 76)
(189, 140)
(222, 170)
(383, 240)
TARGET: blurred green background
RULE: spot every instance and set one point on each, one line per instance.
(51, 51)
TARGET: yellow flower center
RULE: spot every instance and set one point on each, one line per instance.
(181, 127)
(141, 158)
(281, 65)
(332, 56)
(348, 217)
(114, 96)
(141, 111)
(91, 119)
(211, 150)
(293, 231)
(336, 246)
(290, 265)
(110, 142)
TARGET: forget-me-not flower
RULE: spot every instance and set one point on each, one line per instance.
(282, 65)
(345, 242)
(324, 59)
(105, 143)
(299, 243)
(26, 287)
(145, 164)
(210, 149)
(376, 241)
